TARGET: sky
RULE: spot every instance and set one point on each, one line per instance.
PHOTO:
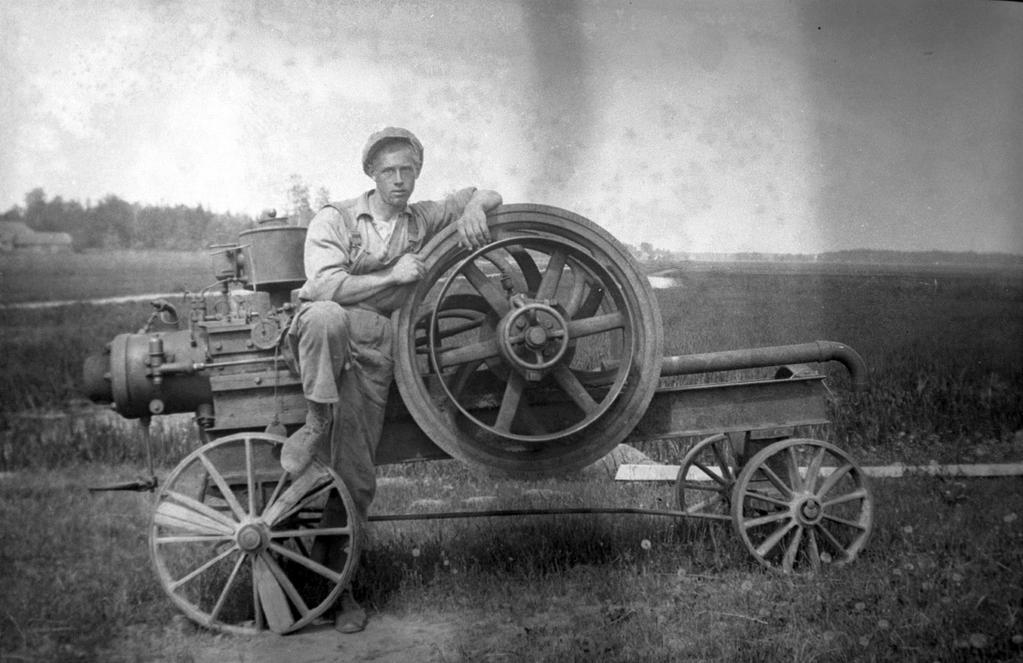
(712, 126)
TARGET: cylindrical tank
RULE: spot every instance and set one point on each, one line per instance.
(122, 375)
(274, 255)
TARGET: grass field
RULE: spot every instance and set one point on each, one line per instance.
(940, 579)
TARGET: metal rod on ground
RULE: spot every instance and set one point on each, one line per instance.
(442, 515)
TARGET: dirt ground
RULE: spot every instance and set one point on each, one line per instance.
(386, 639)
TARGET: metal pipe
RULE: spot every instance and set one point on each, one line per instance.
(777, 355)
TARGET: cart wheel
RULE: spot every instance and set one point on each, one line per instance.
(798, 504)
(705, 479)
(240, 545)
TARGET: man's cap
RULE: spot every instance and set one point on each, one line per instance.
(389, 134)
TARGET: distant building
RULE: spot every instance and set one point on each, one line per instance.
(16, 236)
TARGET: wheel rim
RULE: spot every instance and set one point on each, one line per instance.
(799, 504)
(706, 478)
(562, 355)
(236, 542)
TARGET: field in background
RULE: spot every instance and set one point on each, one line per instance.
(35, 277)
(940, 579)
(943, 347)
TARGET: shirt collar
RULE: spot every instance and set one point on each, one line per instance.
(362, 208)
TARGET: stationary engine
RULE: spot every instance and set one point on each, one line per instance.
(224, 360)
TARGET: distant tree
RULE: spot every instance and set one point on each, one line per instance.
(298, 199)
(322, 197)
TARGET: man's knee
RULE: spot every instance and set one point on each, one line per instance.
(323, 316)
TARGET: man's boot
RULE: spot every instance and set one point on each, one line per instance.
(300, 448)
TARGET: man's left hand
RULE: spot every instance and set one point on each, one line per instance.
(473, 231)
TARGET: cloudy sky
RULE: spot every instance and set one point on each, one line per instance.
(695, 126)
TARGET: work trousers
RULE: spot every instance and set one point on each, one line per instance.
(343, 354)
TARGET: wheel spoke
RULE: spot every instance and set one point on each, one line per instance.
(575, 390)
(711, 474)
(766, 520)
(830, 538)
(767, 497)
(202, 568)
(197, 538)
(299, 489)
(844, 521)
(491, 292)
(309, 531)
(474, 352)
(792, 468)
(792, 550)
(227, 588)
(723, 462)
(306, 499)
(716, 498)
(225, 490)
(770, 542)
(178, 517)
(250, 474)
(204, 509)
(812, 550)
(776, 481)
(813, 469)
(596, 324)
(858, 494)
(315, 567)
(271, 597)
(510, 402)
(552, 275)
(833, 480)
(285, 582)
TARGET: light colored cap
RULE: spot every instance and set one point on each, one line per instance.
(388, 134)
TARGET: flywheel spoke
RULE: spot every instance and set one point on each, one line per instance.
(552, 275)
(575, 389)
(597, 324)
(474, 352)
(485, 286)
(510, 402)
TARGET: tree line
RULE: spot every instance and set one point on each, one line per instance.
(114, 223)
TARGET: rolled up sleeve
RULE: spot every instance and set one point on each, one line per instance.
(441, 213)
(327, 256)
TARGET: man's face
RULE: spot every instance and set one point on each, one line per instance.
(394, 171)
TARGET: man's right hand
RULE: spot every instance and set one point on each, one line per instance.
(409, 268)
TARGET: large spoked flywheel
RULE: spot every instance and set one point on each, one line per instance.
(535, 354)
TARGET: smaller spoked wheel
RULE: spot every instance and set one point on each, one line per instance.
(800, 504)
(706, 477)
(240, 546)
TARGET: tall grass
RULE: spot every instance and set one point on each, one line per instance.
(941, 580)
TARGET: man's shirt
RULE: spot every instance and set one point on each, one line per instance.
(344, 240)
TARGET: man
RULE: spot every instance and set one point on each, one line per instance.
(360, 264)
